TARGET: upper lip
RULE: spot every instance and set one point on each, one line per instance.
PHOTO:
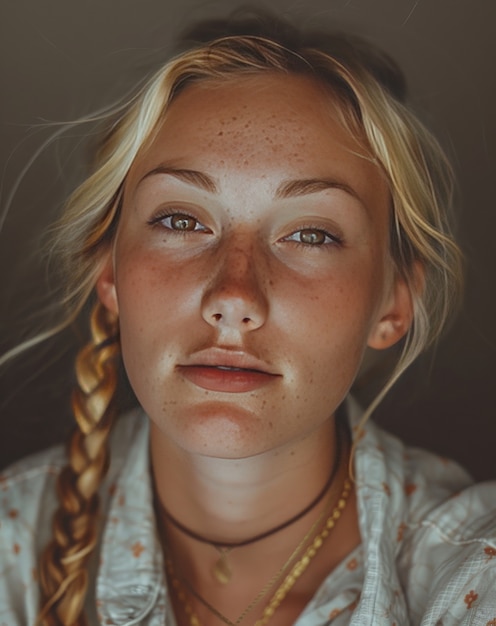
(221, 357)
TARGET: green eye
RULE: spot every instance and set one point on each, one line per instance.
(311, 237)
(182, 222)
(178, 222)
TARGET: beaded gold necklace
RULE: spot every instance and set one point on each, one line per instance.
(221, 570)
(284, 588)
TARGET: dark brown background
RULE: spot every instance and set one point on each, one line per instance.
(61, 59)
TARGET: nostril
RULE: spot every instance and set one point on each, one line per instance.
(217, 317)
(246, 320)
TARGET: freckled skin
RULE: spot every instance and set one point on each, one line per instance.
(315, 308)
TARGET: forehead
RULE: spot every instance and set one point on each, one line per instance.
(285, 125)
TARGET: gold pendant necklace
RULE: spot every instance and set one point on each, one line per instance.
(221, 571)
(284, 588)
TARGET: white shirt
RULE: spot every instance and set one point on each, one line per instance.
(427, 558)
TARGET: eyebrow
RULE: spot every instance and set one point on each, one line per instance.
(294, 188)
(287, 189)
(198, 179)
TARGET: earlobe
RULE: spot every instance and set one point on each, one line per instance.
(105, 286)
(396, 318)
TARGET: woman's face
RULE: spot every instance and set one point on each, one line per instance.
(251, 268)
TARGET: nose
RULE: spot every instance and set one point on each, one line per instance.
(234, 300)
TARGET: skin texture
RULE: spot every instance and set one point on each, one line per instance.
(245, 285)
(312, 310)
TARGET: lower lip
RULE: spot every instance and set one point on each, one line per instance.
(227, 381)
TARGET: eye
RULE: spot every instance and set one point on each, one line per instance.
(179, 222)
(313, 237)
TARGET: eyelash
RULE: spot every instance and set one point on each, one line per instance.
(159, 220)
(330, 239)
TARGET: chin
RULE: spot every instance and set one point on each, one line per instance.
(220, 431)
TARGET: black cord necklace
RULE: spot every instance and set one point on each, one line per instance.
(272, 531)
(221, 570)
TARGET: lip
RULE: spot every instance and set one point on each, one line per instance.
(227, 371)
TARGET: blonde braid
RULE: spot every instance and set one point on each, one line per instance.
(63, 574)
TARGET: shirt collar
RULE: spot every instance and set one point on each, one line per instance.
(130, 579)
(131, 583)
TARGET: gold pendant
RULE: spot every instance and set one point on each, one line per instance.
(221, 570)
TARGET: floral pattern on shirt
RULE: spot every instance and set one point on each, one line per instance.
(427, 558)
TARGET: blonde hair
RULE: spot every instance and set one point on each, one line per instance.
(420, 182)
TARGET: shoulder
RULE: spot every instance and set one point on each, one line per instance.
(446, 538)
(27, 488)
(429, 529)
(449, 559)
(28, 500)
(28, 485)
(27, 503)
(409, 482)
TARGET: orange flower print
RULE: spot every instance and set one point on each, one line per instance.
(401, 530)
(352, 564)
(490, 551)
(353, 605)
(137, 548)
(16, 548)
(470, 598)
(13, 513)
(410, 488)
(386, 488)
(491, 622)
(334, 613)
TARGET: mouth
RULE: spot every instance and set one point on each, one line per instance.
(228, 368)
(226, 377)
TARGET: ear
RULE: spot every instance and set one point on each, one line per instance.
(105, 285)
(395, 319)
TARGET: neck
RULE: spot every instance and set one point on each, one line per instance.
(229, 501)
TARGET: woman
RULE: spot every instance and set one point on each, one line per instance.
(261, 214)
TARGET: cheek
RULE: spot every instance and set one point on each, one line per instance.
(345, 298)
(149, 309)
(327, 322)
(151, 288)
